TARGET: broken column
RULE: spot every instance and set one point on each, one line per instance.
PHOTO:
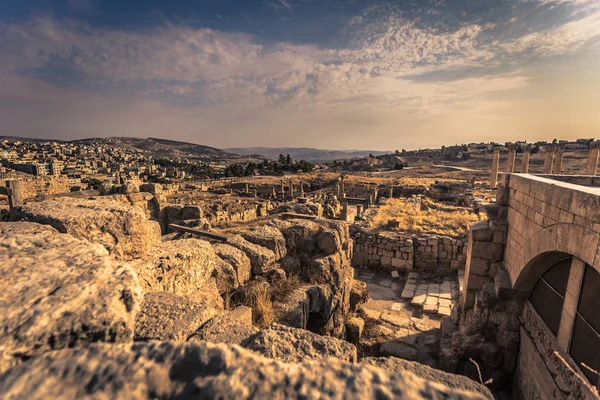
(359, 209)
(292, 190)
(344, 215)
(592, 164)
(282, 191)
(495, 165)
(525, 160)
(548, 161)
(558, 160)
(15, 193)
(510, 161)
(391, 193)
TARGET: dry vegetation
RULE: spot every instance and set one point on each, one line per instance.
(433, 218)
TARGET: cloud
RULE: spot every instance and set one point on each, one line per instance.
(207, 79)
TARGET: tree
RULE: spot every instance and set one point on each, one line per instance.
(281, 159)
(288, 159)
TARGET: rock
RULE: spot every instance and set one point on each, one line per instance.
(359, 294)
(354, 329)
(151, 188)
(208, 295)
(166, 316)
(129, 188)
(225, 276)
(25, 228)
(334, 237)
(237, 259)
(459, 382)
(123, 230)
(105, 188)
(178, 266)
(267, 236)
(288, 344)
(229, 327)
(59, 291)
(206, 370)
(261, 258)
(191, 212)
(275, 275)
(300, 235)
(399, 349)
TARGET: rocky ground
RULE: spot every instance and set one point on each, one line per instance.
(96, 304)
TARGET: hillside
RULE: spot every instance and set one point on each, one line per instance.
(305, 153)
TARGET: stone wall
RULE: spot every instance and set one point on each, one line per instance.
(398, 251)
(41, 185)
(448, 191)
(541, 374)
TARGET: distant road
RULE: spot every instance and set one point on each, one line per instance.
(457, 168)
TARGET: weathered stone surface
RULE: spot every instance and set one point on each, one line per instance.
(300, 235)
(208, 295)
(228, 327)
(237, 259)
(25, 228)
(166, 316)
(354, 329)
(394, 364)
(59, 291)
(177, 266)
(123, 230)
(267, 236)
(261, 258)
(359, 294)
(334, 237)
(399, 349)
(296, 345)
(170, 370)
(225, 276)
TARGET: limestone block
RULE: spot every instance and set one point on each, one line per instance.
(238, 260)
(166, 316)
(261, 258)
(288, 344)
(59, 291)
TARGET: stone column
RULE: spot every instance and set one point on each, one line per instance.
(292, 190)
(246, 188)
(592, 164)
(344, 216)
(525, 160)
(358, 210)
(495, 165)
(510, 161)
(569, 310)
(391, 193)
(548, 161)
(558, 160)
(343, 186)
(282, 191)
(15, 193)
(301, 188)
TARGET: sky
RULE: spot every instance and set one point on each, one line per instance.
(336, 74)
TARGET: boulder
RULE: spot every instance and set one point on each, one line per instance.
(178, 266)
(122, 229)
(267, 236)
(206, 370)
(398, 348)
(25, 228)
(208, 295)
(288, 344)
(129, 188)
(166, 316)
(398, 365)
(225, 276)
(59, 291)
(354, 329)
(334, 237)
(261, 258)
(228, 327)
(359, 294)
(237, 259)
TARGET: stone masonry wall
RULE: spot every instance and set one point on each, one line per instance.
(395, 251)
(39, 185)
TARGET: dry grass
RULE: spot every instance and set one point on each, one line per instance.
(434, 218)
(263, 313)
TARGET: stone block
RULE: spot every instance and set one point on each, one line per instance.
(488, 250)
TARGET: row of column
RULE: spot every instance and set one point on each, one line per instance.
(553, 161)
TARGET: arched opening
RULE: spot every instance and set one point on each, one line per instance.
(585, 339)
(548, 294)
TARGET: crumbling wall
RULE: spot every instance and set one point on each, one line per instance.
(40, 185)
(394, 251)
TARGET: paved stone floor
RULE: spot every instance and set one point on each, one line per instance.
(398, 326)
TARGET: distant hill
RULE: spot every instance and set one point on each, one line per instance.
(163, 147)
(305, 153)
